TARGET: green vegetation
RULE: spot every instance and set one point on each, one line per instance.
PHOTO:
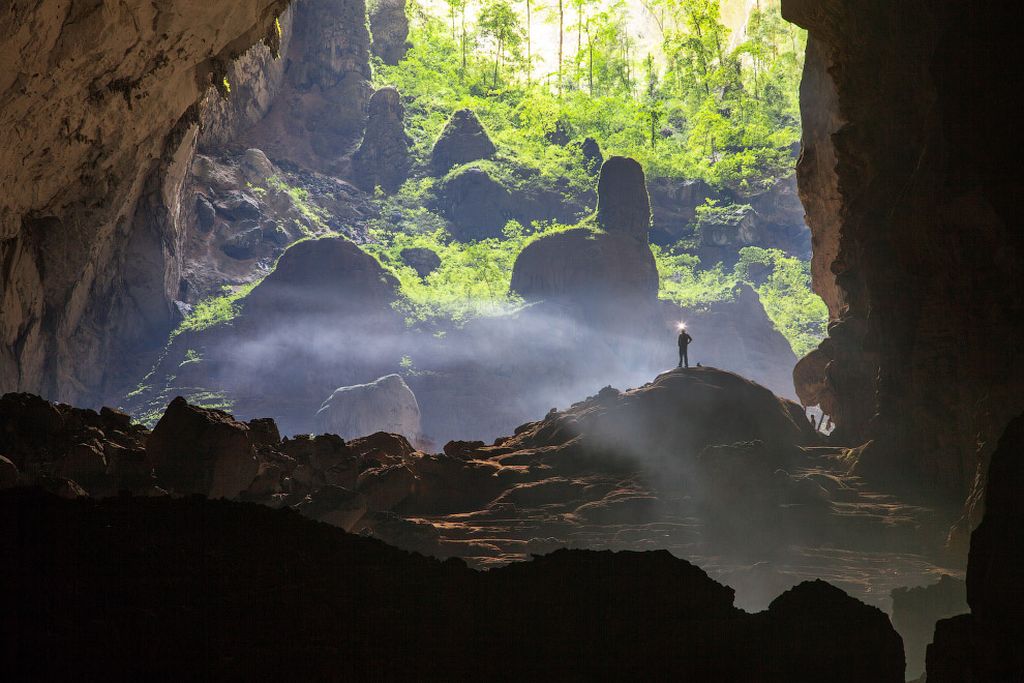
(782, 283)
(698, 104)
(215, 310)
(473, 279)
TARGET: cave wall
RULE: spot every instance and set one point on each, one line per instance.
(909, 171)
(98, 103)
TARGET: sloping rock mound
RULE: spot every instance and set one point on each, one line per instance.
(384, 405)
(124, 568)
(477, 205)
(681, 412)
(462, 140)
(622, 201)
(583, 267)
(808, 619)
(383, 157)
(985, 645)
(197, 450)
(755, 349)
(389, 27)
(328, 275)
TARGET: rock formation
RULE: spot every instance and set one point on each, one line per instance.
(319, 112)
(622, 202)
(383, 157)
(477, 205)
(462, 140)
(389, 27)
(917, 250)
(424, 261)
(609, 275)
(384, 405)
(124, 568)
(194, 450)
(100, 106)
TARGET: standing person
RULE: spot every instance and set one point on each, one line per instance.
(684, 344)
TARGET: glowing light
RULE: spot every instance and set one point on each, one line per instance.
(680, 325)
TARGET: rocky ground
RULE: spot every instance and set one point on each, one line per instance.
(702, 462)
(188, 587)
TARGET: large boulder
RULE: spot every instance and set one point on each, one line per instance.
(587, 268)
(623, 205)
(328, 275)
(384, 405)
(389, 28)
(204, 451)
(477, 205)
(424, 261)
(383, 157)
(462, 140)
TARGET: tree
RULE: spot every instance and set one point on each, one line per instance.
(499, 22)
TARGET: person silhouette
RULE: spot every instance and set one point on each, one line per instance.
(684, 344)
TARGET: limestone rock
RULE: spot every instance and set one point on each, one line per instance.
(582, 267)
(424, 261)
(623, 205)
(477, 205)
(204, 451)
(592, 156)
(389, 26)
(462, 140)
(384, 405)
(383, 157)
(330, 274)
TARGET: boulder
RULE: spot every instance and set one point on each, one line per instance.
(389, 27)
(200, 450)
(320, 452)
(462, 140)
(592, 156)
(256, 167)
(236, 205)
(582, 267)
(382, 448)
(383, 156)
(424, 261)
(384, 405)
(327, 275)
(205, 213)
(623, 205)
(244, 245)
(477, 205)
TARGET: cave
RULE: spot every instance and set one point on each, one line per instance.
(336, 339)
